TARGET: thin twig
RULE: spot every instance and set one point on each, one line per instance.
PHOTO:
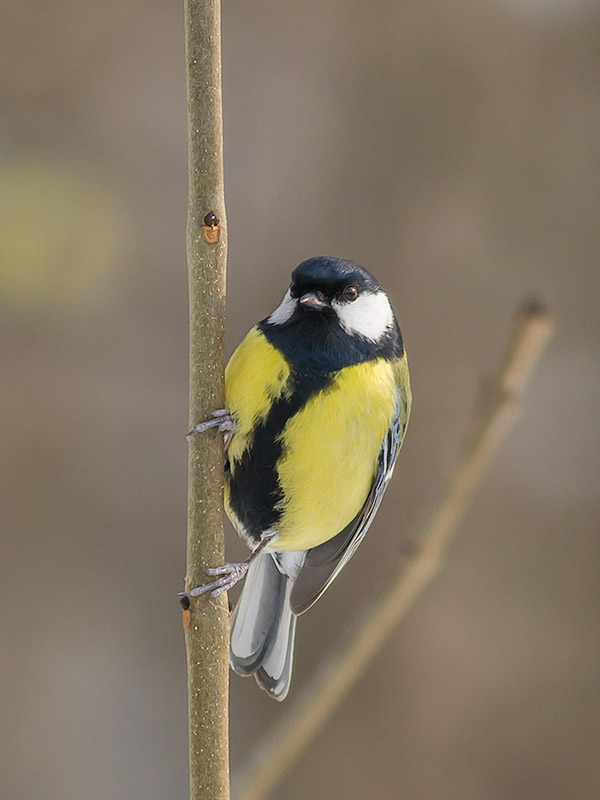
(206, 623)
(334, 680)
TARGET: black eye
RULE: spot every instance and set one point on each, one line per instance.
(294, 291)
(350, 293)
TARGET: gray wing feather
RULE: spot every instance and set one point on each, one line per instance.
(323, 563)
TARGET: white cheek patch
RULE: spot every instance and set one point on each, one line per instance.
(370, 315)
(284, 311)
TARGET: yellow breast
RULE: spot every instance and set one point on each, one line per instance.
(256, 375)
(331, 447)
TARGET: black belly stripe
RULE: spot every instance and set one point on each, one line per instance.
(254, 489)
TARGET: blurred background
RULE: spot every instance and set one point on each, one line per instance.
(454, 150)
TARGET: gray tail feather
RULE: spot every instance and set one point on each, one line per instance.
(263, 627)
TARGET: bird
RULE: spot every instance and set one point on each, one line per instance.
(318, 400)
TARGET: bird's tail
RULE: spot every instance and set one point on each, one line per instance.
(263, 626)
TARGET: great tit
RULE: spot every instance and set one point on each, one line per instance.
(318, 399)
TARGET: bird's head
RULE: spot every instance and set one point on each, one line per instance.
(334, 292)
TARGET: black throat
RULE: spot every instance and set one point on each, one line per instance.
(314, 341)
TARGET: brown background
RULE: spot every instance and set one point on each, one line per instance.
(454, 149)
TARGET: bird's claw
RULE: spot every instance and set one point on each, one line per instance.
(221, 419)
(220, 570)
(231, 574)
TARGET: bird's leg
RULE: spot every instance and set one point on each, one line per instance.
(231, 573)
(221, 419)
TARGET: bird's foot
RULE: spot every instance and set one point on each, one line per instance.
(231, 574)
(220, 419)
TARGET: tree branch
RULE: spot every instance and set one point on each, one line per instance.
(334, 680)
(206, 622)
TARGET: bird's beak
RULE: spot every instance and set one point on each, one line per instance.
(314, 300)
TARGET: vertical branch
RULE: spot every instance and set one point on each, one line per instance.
(206, 622)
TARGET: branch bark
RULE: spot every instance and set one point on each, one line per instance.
(206, 622)
(334, 680)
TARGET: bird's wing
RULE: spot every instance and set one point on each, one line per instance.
(323, 563)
